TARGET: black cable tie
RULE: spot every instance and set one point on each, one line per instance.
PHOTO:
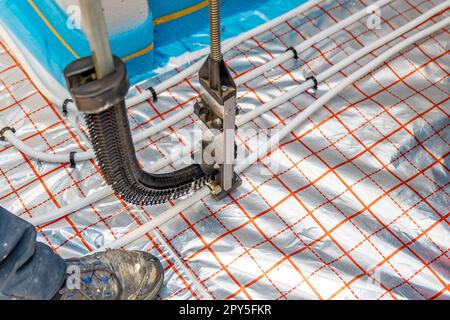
(293, 51)
(2, 132)
(316, 83)
(64, 107)
(73, 164)
(155, 96)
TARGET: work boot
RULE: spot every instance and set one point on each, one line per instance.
(113, 275)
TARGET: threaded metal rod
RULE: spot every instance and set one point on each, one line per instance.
(214, 24)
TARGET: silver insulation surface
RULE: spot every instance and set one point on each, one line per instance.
(354, 205)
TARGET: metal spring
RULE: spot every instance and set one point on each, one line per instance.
(214, 24)
(103, 130)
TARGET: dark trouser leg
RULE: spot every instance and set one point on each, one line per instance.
(28, 269)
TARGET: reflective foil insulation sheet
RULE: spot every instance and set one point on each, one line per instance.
(354, 204)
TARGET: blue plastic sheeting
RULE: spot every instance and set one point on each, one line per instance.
(41, 26)
(22, 19)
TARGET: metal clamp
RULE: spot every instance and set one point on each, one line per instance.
(64, 106)
(154, 94)
(73, 164)
(293, 51)
(95, 95)
(2, 132)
